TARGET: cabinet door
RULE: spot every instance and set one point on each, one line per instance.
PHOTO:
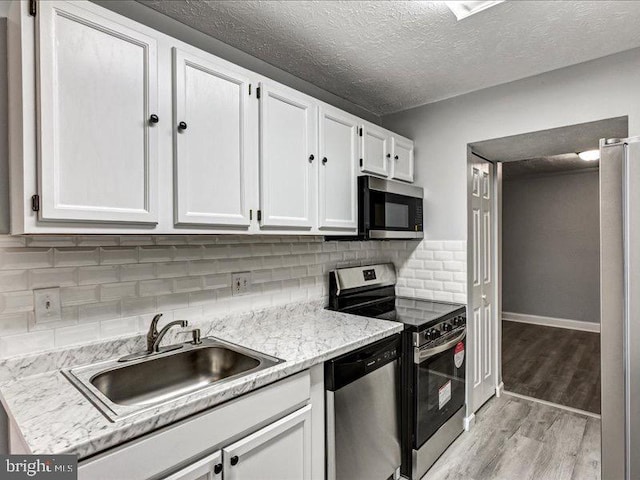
(209, 468)
(97, 93)
(337, 170)
(288, 123)
(402, 159)
(211, 142)
(280, 451)
(375, 150)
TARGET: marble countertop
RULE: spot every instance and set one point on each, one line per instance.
(53, 417)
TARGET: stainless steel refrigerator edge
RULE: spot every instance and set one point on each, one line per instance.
(620, 310)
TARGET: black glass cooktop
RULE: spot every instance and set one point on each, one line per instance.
(416, 312)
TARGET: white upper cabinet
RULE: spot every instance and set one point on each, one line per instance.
(211, 142)
(337, 185)
(98, 87)
(288, 123)
(280, 451)
(402, 155)
(375, 150)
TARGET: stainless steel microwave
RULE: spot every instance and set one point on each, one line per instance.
(389, 209)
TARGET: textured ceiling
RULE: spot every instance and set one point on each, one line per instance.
(387, 56)
(556, 164)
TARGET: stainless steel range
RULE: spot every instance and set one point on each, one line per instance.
(433, 359)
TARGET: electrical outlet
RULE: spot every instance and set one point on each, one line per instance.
(240, 283)
(47, 305)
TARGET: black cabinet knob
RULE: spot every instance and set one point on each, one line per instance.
(311, 158)
(217, 468)
(388, 155)
(234, 460)
(396, 157)
(182, 126)
(324, 161)
(154, 119)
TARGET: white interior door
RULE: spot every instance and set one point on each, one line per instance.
(337, 170)
(375, 150)
(288, 123)
(402, 159)
(97, 130)
(211, 142)
(482, 323)
(280, 451)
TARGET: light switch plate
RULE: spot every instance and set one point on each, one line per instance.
(47, 305)
(240, 283)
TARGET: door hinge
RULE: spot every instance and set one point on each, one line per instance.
(360, 132)
(35, 203)
(259, 215)
(361, 162)
(33, 8)
(258, 92)
(250, 214)
(249, 89)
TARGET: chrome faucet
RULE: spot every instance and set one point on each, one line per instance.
(158, 336)
(154, 337)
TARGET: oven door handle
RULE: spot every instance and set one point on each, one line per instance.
(422, 355)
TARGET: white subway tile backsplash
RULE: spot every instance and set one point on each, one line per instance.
(16, 258)
(14, 302)
(98, 275)
(112, 286)
(24, 343)
(52, 277)
(14, 323)
(14, 280)
(118, 255)
(77, 334)
(79, 295)
(64, 257)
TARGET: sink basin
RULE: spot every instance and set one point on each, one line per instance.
(159, 378)
(120, 389)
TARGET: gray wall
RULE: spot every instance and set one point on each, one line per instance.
(603, 88)
(551, 246)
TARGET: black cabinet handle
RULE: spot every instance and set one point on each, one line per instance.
(324, 161)
(182, 126)
(311, 158)
(396, 157)
(388, 155)
(217, 468)
(154, 119)
(234, 460)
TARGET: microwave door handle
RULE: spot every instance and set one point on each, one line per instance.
(424, 354)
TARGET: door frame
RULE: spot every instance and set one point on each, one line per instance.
(496, 294)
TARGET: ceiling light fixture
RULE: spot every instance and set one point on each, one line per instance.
(589, 155)
(464, 9)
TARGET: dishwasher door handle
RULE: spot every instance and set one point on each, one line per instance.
(421, 355)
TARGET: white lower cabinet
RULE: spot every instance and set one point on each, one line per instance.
(280, 451)
(209, 468)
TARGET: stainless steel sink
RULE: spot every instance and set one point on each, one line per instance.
(121, 389)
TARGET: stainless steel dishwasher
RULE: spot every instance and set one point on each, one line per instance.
(363, 413)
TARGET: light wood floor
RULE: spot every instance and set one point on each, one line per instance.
(555, 364)
(517, 439)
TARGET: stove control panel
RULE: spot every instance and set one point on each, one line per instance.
(441, 332)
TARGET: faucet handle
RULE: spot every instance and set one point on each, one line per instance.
(195, 333)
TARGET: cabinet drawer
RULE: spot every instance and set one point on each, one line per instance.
(172, 447)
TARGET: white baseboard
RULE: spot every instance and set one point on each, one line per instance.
(500, 389)
(552, 322)
(467, 422)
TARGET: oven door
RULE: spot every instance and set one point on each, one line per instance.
(439, 379)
